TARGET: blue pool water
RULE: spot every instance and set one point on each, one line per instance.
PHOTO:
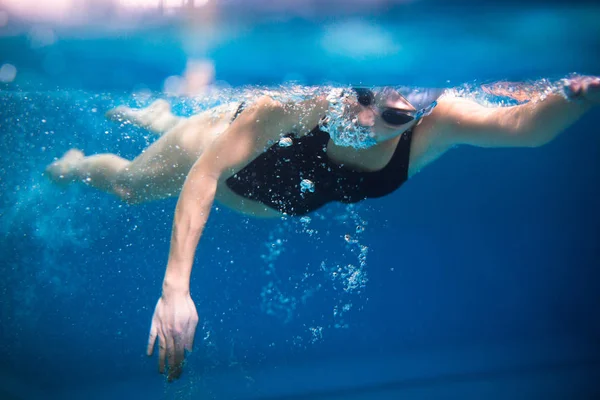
(481, 277)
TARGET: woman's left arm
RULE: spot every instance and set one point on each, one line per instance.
(534, 124)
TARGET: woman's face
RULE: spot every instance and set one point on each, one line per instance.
(370, 116)
(352, 124)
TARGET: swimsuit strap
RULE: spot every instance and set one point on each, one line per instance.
(239, 110)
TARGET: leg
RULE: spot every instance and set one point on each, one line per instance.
(157, 173)
(100, 171)
(157, 117)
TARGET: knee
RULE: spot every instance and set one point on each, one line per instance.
(125, 189)
(128, 196)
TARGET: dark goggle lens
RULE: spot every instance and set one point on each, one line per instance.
(365, 96)
(396, 117)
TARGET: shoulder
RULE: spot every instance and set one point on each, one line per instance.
(437, 132)
(433, 131)
(297, 116)
(290, 115)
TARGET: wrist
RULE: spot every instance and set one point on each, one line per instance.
(174, 284)
(170, 292)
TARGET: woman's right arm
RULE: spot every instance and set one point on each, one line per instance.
(175, 317)
(249, 135)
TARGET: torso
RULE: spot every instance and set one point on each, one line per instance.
(422, 151)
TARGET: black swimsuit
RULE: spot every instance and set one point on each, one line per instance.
(300, 178)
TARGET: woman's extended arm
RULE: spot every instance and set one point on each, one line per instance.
(528, 125)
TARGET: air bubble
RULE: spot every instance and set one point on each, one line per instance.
(285, 142)
(307, 186)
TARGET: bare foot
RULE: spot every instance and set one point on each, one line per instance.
(62, 170)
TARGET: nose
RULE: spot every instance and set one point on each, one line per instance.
(366, 117)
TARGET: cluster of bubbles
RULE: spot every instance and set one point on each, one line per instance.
(344, 131)
(273, 299)
(316, 333)
(276, 303)
(338, 315)
(349, 277)
(306, 228)
(282, 298)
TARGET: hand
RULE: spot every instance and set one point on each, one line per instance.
(584, 88)
(174, 322)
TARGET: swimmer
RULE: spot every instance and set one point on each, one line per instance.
(266, 158)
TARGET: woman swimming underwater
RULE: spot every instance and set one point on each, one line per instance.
(266, 157)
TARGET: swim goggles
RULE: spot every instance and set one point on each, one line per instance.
(392, 116)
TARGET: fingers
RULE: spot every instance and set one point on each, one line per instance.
(176, 362)
(182, 340)
(584, 88)
(190, 333)
(593, 82)
(162, 353)
(573, 90)
(170, 351)
(117, 114)
(152, 339)
(175, 335)
(170, 348)
(189, 339)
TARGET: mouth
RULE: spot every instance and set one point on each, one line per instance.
(345, 131)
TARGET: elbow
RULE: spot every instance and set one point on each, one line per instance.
(526, 134)
(534, 138)
(538, 127)
(539, 141)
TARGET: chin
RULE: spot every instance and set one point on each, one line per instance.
(388, 136)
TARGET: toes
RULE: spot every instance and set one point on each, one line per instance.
(117, 113)
(61, 170)
(160, 105)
